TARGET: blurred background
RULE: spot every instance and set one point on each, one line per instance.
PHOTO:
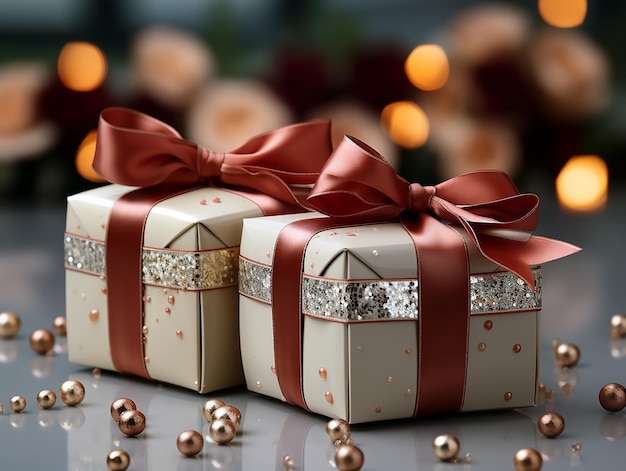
(535, 88)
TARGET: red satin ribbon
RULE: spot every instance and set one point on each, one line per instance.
(358, 185)
(137, 150)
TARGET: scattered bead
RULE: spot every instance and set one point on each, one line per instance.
(41, 341)
(72, 392)
(171, 299)
(517, 348)
(613, 397)
(548, 393)
(190, 442)
(446, 447)
(179, 334)
(541, 387)
(59, 325)
(121, 405)
(329, 397)
(322, 373)
(46, 398)
(468, 459)
(336, 429)
(576, 449)
(118, 460)
(222, 431)
(508, 396)
(567, 354)
(203, 201)
(527, 459)
(482, 346)
(1, 408)
(551, 424)
(209, 407)
(10, 324)
(488, 325)
(217, 199)
(349, 458)
(17, 403)
(227, 412)
(132, 422)
(94, 314)
(618, 326)
(288, 462)
(96, 372)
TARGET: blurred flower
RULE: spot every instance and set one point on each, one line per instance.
(355, 119)
(23, 132)
(170, 65)
(571, 72)
(466, 145)
(229, 112)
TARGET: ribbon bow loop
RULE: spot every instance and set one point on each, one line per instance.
(357, 182)
(209, 164)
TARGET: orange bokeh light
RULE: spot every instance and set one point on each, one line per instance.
(406, 123)
(582, 184)
(84, 158)
(563, 13)
(82, 66)
(427, 67)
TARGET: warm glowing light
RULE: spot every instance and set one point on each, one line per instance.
(84, 158)
(582, 184)
(563, 13)
(81, 66)
(406, 123)
(427, 67)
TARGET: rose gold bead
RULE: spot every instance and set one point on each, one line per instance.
(190, 442)
(551, 424)
(613, 397)
(222, 431)
(336, 429)
(618, 326)
(446, 447)
(527, 459)
(132, 422)
(120, 405)
(227, 412)
(10, 324)
(567, 354)
(59, 325)
(349, 458)
(46, 398)
(210, 406)
(72, 392)
(41, 341)
(17, 403)
(118, 460)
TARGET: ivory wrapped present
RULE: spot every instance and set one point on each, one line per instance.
(152, 259)
(400, 300)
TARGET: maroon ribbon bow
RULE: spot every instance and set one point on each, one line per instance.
(137, 150)
(357, 185)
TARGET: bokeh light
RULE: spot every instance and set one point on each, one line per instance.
(84, 158)
(406, 123)
(563, 13)
(427, 67)
(582, 184)
(82, 66)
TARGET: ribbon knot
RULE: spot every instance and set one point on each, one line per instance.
(209, 164)
(420, 197)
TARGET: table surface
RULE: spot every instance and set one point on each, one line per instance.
(581, 293)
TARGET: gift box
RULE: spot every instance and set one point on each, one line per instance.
(400, 300)
(151, 269)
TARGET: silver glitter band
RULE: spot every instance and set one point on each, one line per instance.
(383, 299)
(195, 270)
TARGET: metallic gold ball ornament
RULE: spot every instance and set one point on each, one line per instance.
(349, 458)
(551, 424)
(612, 397)
(222, 431)
(41, 341)
(118, 460)
(446, 447)
(190, 442)
(72, 392)
(10, 324)
(46, 398)
(59, 325)
(132, 422)
(527, 459)
(120, 405)
(337, 429)
(567, 354)
(228, 412)
(17, 403)
(210, 406)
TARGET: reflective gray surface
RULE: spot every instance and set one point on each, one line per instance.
(580, 295)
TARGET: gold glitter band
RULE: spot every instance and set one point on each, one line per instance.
(193, 270)
(367, 300)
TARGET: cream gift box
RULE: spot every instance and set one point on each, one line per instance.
(151, 268)
(407, 301)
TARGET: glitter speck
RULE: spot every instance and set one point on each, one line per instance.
(103, 290)
(96, 372)
(217, 199)
(312, 265)
(171, 299)
(375, 253)
(389, 379)
(359, 348)
(259, 385)
(147, 299)
(267, 254)
(350, 234)
(157, 320)
(203, 202)
(179, 334)
(273, 369)
(378, 410)
(168, 310)
(145, 330)
(407, 392)
(407, 351)
(94, 314)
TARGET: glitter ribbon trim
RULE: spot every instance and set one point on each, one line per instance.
(177, 269)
